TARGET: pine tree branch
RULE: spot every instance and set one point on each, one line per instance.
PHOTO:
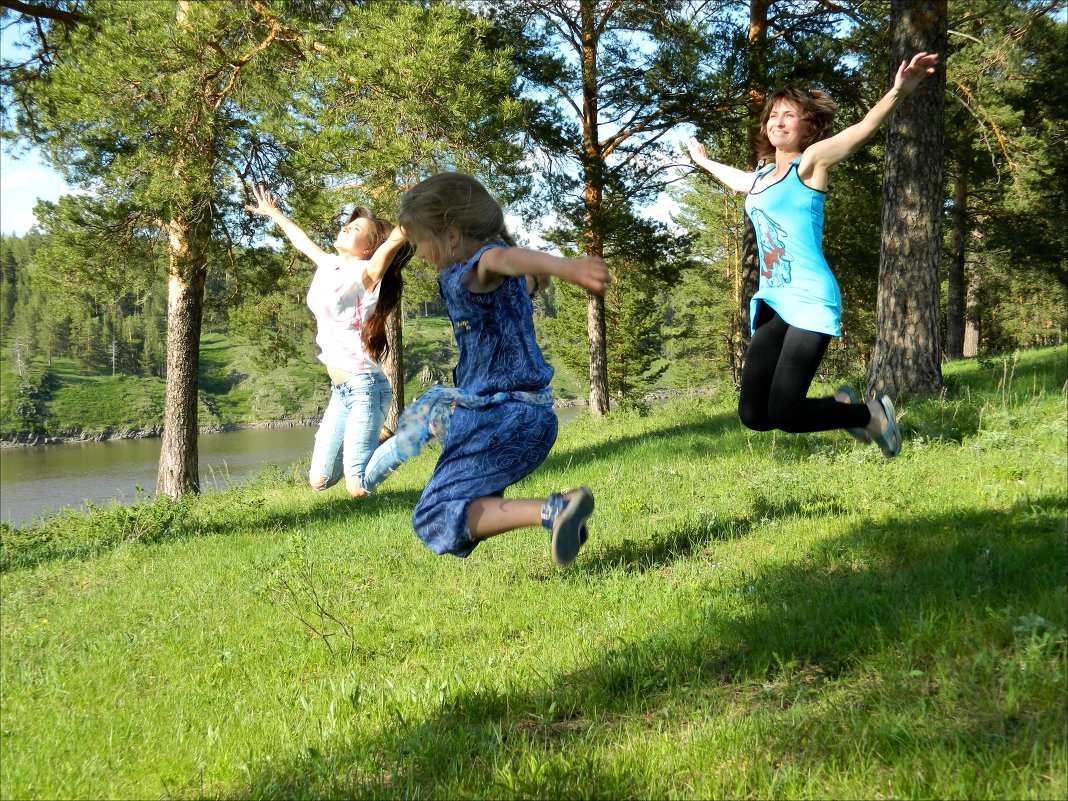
(40, 11)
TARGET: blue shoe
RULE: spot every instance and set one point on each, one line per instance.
(845, 394)
(889, 441)
(566, 519)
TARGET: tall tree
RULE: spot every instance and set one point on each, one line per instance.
(169, 106)
(606, 81)
(1005, 149)
(149, 104)
(907, 356)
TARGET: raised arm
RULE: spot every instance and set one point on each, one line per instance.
(733, 178)
(829, 152)
(382, 257)
(268, 207)
(588, 271)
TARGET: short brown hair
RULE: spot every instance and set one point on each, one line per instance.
(817, 108)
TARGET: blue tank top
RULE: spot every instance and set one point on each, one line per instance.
(795, 279)
(494, 332)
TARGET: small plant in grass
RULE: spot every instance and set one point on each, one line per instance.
(293, 584)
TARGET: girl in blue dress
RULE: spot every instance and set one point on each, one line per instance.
(497, 423)
(798, 307)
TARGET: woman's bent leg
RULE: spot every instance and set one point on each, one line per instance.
(326, 453)
(761, 361)
(368, 405)
(789, 408)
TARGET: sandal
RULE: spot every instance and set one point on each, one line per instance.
(566, 519)
(850, 396)
(889, 441)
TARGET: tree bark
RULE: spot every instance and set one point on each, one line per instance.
(393, 367)
(756, 96)
(593, 177)
(972, 327)
(179, 471)
(955, 311)
(907, 349)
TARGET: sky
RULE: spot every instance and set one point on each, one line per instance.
(22, 183)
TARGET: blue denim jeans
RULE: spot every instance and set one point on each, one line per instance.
(348, 433)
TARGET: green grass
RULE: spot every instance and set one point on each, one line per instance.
(755, 616)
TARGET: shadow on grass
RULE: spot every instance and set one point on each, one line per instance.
(670, 441)
(881, 588)
(643, 554)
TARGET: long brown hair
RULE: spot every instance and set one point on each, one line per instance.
(452, 201)
(373, 332)
(817, 109)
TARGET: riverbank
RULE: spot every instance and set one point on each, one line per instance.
(71, 436)
(109, 434)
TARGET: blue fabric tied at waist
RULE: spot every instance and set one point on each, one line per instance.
(429, 417)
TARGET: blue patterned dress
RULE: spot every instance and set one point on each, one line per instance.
(500, 436)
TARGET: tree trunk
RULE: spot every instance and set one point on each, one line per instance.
(178, 460)
(756, 96)
(956, 283)
(393, 367)
(593, 177)
(907, 353)
(972, 327)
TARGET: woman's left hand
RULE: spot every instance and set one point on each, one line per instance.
(910, 74)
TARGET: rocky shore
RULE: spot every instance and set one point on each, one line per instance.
(78, 435)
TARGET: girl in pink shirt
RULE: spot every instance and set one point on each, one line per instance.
(352, 293)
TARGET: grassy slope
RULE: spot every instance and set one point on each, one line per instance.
(754, 616)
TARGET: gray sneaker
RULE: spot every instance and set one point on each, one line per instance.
(566, 518)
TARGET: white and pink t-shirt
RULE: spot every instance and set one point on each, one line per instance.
(341, 306)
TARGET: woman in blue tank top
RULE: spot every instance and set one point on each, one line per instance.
(798, 307)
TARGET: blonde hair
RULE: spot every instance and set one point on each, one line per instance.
(449, 202)
(817, 109)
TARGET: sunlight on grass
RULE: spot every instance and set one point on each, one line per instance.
(755, 615)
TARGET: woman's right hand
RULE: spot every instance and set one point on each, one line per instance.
(697, 150)
(266, 206)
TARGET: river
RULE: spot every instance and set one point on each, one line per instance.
(45, 479)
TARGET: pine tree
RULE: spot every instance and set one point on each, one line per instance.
(907, 356)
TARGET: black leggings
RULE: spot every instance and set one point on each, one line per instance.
(779, 367)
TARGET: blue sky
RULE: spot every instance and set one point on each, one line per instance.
(22, 182)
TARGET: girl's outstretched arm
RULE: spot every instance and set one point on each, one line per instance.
(588, 272)
(731, 177)
(822, 155)
(267, 206)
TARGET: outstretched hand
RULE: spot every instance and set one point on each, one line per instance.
(266, 203)
(590, 272)
(910, 74)
(697, 150)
